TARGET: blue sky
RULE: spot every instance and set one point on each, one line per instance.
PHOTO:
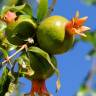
(73, 65)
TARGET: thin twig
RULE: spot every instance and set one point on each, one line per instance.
(51, 7)
(5, 61)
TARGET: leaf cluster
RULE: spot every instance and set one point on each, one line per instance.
(20, 57)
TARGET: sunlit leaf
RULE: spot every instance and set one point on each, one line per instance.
(2, 26)
(4, 52)
(33, 4)
(23, 59)
(23, 9)
(7, 3)
(12, 89)
(42, 9)
(25, 68)
(28, 10)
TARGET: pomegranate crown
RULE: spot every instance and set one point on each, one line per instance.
(75, 26)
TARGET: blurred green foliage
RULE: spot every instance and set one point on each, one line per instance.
(90, 2)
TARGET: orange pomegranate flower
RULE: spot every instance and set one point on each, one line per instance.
(75, 26)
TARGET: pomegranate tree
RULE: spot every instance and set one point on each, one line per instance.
(36, 38)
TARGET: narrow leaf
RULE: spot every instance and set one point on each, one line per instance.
(4, 81)
(42, 9)
(2, 26)
(4, 52)
(28, 10)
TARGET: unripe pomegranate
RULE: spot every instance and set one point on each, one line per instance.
(43, 70)
(19, 31)
(41, 67)
(10, 17)
(55, 34)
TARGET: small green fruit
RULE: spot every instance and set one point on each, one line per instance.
(52, 37)
(18, 32)
(41, 67)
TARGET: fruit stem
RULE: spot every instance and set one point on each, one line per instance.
(51, 8)
(8, 58)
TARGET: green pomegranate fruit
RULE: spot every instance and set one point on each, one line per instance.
(55, 34)
(41, 67)
(19, 31)
(51, 35)
(42, 71)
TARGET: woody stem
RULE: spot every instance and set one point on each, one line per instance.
(51, 7)
(5, 61)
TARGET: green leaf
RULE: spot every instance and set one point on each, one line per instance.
(12, 89)
(30, 3)
(17, 8)
(90, 2)
(4, 52)
(92, 53)
(8, 2)
(23, 59)
(4, 81)
(5, 55)
(23, 9)
(88, 38)
(42, 9)
(91, 38)
(27, 9)
(3, 25)
(24, 62)
(12, 8)
(45, 55)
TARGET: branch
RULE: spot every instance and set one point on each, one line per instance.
(51, 8)
(22, 47)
